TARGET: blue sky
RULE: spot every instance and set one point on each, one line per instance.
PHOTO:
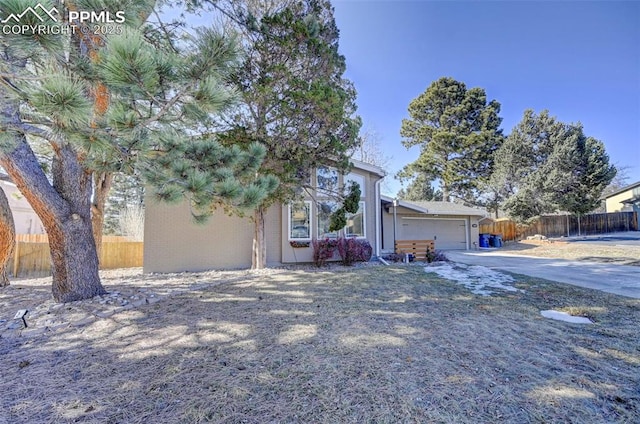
(580, 60)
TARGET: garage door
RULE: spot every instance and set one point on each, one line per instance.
(448, 234)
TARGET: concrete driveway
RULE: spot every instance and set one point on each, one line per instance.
(623, 280)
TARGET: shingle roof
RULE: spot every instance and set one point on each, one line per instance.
(448, 208)
(439, 208)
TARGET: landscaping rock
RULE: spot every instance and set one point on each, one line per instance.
(83, 321)
(33, 332)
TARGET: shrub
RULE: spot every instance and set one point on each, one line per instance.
(323, 250)
(353, 250)
(436, 256)
(394, 257)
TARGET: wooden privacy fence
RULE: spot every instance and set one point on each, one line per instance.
(32, 258)
(44, 238)
(417, 248)
(505, 227)
(565, 225)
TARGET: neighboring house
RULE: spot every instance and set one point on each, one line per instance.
(450, 225)
(25, 219)
(627, 199)
(173, 243)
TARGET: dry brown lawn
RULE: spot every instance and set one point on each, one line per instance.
(594, 252)
(360, 345)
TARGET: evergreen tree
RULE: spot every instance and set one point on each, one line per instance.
(547, 166)
(420, 189)
(458, 133)
(515, 178)
(294, 98)
(580, 172)
(163, 96)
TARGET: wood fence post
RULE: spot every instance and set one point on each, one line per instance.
(16, 259)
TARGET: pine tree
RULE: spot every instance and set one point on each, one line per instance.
(294, 98)
(420, 189)
(580, 171)
(546, 166)
(163, 96)
(458, 132)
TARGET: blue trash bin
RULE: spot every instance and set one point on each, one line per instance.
(492, 240)
(484, 240)
(498, 240)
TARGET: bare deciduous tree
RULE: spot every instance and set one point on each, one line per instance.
(370, 150)
(132, 222)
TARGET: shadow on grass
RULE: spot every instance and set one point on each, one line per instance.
(521, 246)
(610, 260)
(379, 344)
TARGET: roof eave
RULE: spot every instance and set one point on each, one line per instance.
(369, 168)
(622, 190)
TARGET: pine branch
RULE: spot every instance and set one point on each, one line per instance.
(166, 32)
(165, 109)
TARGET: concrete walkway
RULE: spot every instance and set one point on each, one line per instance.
(623, 280)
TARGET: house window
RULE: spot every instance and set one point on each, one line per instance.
(326, 180)
(356, 223)
(356, 178)
(325, 209)
(300, 221)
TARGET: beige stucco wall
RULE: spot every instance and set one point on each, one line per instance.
(25, 219)
(387, 231)
(614, 203)
(474, 231)
(174, 243)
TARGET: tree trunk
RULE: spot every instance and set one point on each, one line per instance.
(259, 253)
(445, 193)
(65, 211)
(74, 260)
(101, 186)
(7, 238)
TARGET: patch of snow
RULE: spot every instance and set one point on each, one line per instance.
(563, 316)
(479, 279)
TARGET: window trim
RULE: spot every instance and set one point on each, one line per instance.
(309, 207)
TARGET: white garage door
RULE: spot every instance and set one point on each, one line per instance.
(449, 234)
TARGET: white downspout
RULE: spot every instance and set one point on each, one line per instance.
(467, 231)
(395, 218)
(377, 216)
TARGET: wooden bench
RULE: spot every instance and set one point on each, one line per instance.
(417, 248)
